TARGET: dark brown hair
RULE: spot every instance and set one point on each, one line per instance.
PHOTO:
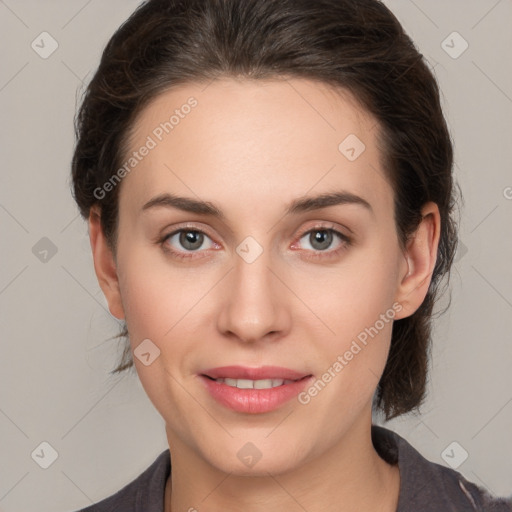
(357, 46)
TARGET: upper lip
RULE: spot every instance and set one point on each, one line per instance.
(261, 373)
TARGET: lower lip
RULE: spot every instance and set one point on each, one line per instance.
(254, 401)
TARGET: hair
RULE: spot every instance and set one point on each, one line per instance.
(355, 46)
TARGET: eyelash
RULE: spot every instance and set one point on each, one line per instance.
(345, 242)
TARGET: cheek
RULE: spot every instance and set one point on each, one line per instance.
(160, 300)
(356, 303)
(352, 296)
(159, 306)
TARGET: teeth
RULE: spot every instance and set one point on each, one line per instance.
(254, 384)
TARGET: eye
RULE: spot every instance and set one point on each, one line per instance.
(181, 241)
(321, 239)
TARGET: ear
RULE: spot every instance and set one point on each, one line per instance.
(104, 264)
(420, 258)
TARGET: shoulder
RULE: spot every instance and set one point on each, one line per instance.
(428, 486)
(143, 493)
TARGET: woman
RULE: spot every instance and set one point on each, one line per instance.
(270, 200)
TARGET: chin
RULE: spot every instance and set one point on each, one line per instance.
(246, 459)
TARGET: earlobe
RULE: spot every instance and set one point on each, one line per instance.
(104, 264)
(420, 259)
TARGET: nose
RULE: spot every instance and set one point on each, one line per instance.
(254, 303)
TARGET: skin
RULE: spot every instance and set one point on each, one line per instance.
(250, 148)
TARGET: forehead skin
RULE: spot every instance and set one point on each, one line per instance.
(252, 146)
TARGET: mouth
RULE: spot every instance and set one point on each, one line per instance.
(253, 390)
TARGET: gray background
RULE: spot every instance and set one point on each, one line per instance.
(55, 353)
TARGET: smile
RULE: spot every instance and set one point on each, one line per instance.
(253, 396)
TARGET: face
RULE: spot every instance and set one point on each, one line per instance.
(261, 275)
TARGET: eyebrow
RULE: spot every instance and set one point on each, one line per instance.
(299, 205)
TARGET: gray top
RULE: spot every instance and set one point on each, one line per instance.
(424, 487)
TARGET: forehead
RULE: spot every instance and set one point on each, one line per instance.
(274, 105)
(281, 136)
